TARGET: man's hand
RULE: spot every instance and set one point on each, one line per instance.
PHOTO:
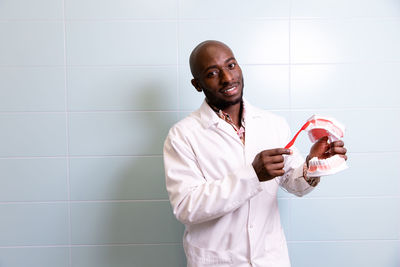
(268, 164)
(323, 150)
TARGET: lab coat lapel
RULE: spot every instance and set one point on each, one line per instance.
(252, 121)
(211, 120)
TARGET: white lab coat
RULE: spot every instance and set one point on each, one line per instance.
(231, 219)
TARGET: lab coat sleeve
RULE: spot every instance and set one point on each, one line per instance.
(194, 199)
(293, 180)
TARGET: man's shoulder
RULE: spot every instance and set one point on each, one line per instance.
(188, 124)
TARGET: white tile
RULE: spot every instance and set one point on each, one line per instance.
(40, 89)
(33, 179)
(31, 43)
(120, 9)
(189, 98)
(123, 88)
(264, 8)
(366, 253)
(345, 9)
(26, 9)
(345, 86)
(148, 222)
(208, 9)
(233, 9)
(35, 256)
(34, 224)
(345, 219)
(113, 178)
(330, 41)
(119, 133)
(253, 42)
(33, 134)
(121, 43)
(166, 255)
(267, 87)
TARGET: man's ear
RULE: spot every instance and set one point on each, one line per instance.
(196, 85)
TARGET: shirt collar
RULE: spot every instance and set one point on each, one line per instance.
(209, 117)
(225, 116)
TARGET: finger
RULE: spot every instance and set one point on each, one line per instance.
(337, 143)
(338, 150)
(276, 173)
(278, 151)
(275, 159)
(323, 139)
(275, 166)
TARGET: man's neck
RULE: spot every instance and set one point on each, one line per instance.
(234, 111)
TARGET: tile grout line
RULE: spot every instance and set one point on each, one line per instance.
(290, 226)
(122, 111)
(91, 245)
(66, 109)
(81, 157)
(177, 59)
(290, 55)
(137, 66)
(153, 156)
(116, 201)
(343, 241)
(180, 243)
(340, 197)
(109, 201)
(244, 18)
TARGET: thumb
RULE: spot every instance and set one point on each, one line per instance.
(323, 139)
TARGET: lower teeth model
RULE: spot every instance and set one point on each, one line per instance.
(317, 127)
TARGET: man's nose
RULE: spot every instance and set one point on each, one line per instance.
(226, 76)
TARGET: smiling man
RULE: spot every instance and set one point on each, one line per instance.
(224, 164)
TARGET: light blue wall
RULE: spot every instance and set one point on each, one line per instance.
(89, 89)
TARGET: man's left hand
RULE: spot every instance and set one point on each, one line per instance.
(323, 150)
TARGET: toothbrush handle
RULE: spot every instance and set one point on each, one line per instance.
(298, 132)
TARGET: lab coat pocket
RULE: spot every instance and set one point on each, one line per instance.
(200, 257)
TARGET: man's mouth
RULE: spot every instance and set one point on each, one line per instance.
(230, 90)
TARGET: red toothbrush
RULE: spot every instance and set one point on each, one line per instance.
(294, 138)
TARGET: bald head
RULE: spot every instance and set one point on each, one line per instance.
(204, 51)
(216, 73)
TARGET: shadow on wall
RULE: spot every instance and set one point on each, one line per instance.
(148, 220)
(135, 221)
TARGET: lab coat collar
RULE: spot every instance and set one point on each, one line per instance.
(208, 116)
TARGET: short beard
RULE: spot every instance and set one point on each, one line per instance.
(221, 104)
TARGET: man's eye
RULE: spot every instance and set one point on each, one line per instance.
(231, 65)
(211, 74)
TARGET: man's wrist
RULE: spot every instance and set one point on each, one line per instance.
(312, 181)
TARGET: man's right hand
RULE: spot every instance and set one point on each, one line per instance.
(268, 164)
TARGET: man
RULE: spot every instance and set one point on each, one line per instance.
(223, 165)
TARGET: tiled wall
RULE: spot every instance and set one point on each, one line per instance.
(89, 89)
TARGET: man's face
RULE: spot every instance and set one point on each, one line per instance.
(219, 76)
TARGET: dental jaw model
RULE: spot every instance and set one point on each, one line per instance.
(318, 127)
